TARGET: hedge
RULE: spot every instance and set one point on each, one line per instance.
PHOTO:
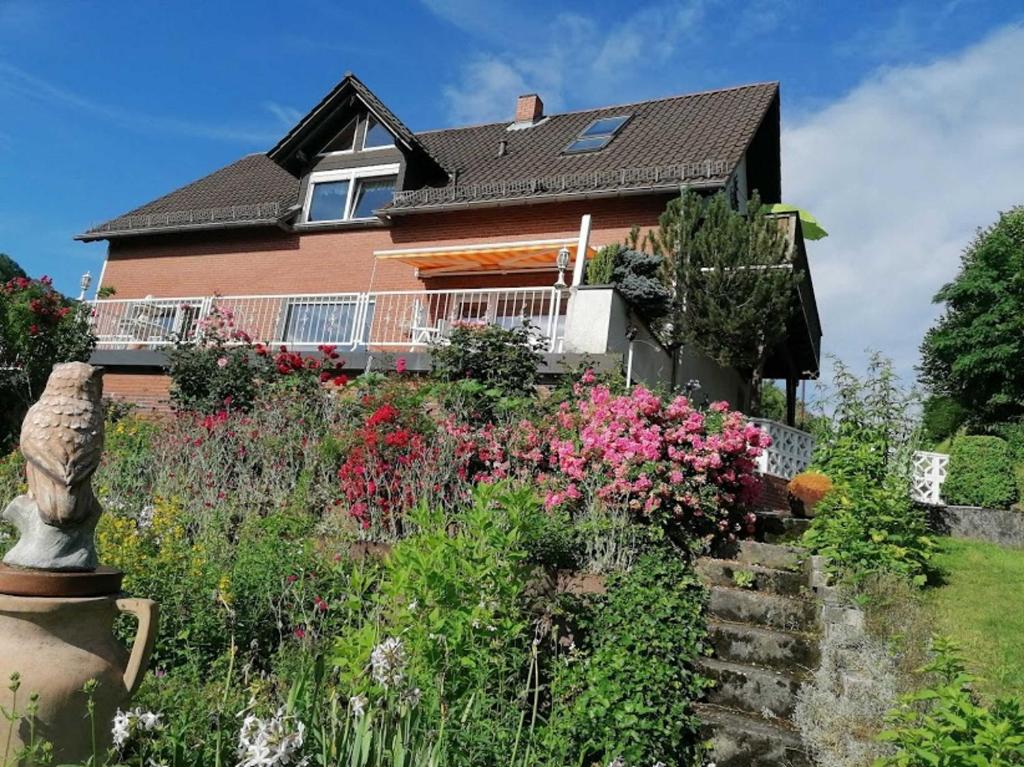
(980, 474)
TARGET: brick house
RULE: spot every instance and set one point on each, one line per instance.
(355, 231)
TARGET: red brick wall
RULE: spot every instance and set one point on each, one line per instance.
(148, 390)
(774, 494)
(273, 261)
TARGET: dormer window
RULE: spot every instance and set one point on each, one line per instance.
(597, 135)
(377, 136)
(352, 194)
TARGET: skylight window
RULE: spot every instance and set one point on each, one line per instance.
(597, 135)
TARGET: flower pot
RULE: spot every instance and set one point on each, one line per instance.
(57, 645)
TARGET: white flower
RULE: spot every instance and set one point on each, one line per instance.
(149, 721)
(388, 662)
(121, 728)
(358, 705)
(127, 724)
(617, 762)
(271, 743)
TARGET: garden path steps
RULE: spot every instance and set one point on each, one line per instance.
(763, 629)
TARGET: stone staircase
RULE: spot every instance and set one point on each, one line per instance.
(764, 628)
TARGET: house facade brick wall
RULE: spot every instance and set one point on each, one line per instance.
(148, 390)
(269, 260)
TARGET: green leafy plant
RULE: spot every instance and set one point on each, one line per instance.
(867, 524)
(980, 473)
(944, 725)
(744, 579)
(486, 370)
(625, 693)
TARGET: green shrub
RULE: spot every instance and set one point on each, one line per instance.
(980, 473)
(636, 275)
(941, 417)
(39, 327)
(868, 524)
(626, 692)
(204, 378)
(865, 528)
(601, 266)
(504, 362)
(944, 725)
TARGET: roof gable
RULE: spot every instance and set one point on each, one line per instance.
(310, 134)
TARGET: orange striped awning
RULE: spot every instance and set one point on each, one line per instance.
(485, 257)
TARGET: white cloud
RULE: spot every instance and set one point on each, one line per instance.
(902, 171)
(285, 114)
(560, 56)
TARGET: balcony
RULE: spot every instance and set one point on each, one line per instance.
(390, 320)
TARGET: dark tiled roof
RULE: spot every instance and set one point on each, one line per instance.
(248, 191)
(698, 138)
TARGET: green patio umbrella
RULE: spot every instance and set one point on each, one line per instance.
(812, 229)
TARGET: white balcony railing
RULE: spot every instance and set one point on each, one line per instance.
(392, 319)
(790, 452)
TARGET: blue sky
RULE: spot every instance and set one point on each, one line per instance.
(902, 121)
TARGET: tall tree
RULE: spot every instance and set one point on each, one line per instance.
(9, 269)
(733, 280)
(975, 352)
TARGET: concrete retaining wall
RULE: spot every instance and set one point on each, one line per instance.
(1005, 528)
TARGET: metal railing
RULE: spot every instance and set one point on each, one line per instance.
(380, 320)
(790, 451)
(264, 211)
(646, 176)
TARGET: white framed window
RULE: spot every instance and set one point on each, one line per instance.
(350, 194)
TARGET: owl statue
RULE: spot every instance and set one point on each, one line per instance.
(62, 440)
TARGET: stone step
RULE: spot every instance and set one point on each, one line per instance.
(772, 555)
(769, 648)
(729, 572)
(758, 608)
(780, 527)
(742, 740)
(755, 690)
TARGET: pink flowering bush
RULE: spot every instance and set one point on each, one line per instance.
(665, 461)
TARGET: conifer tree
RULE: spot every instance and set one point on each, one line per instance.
(732, 279)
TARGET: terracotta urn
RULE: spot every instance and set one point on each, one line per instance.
(57, 644)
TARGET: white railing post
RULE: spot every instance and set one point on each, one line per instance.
(929, 474)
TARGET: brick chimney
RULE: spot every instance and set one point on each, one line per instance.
(529, 108)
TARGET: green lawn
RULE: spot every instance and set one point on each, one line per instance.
(981, 607)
